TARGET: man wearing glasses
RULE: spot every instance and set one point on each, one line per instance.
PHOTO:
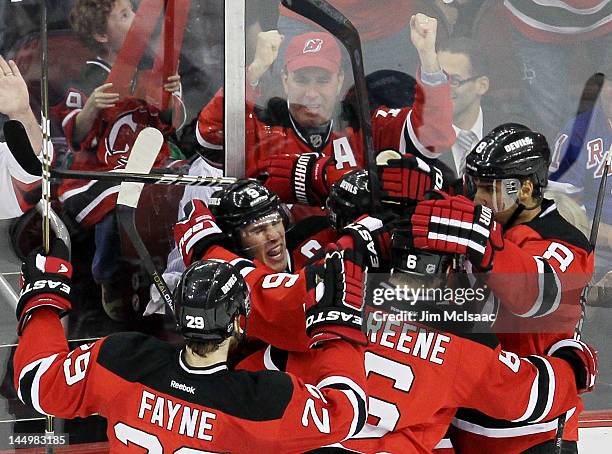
(467, 70)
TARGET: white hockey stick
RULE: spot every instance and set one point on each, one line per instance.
(141, 159)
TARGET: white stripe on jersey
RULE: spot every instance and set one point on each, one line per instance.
(509, 432)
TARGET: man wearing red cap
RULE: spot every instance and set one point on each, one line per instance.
(294, 140)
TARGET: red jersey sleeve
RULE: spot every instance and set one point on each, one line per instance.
(51, 378)
(333, 407)
(534, 277)
(210, 130)
(67, 111)
(520, 389)
(425, 129)
(515, 403)
(277, 301)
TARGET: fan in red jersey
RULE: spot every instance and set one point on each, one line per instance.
(157, 397)
(101, 126)
(302, 124)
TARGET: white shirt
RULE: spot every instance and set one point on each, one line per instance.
(9, 168)
(458, 153)
(175, 265)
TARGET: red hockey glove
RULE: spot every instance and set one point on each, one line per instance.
(457, 226)
(301, 178)
(45, 282)
(196, 232)
(334, 302)
(583, 359)
(407, 179)
(371, 237)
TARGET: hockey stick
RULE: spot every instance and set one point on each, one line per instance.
(601, 193)
(46, 176)
(19, 144)
(332, 20)
(592, 242)
(141, 159)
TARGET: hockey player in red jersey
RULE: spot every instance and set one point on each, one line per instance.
(419, 374)
(246, 227)
(159, 398)
(534, 262)
(303, 125)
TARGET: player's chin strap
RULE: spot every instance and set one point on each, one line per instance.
(519, 209)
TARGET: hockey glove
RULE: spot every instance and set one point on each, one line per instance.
(335, 298)
(301, 178)
(45, 282)
(196, 232)
(583, 359)
(456, 226)
(369, 236)
(406, 180)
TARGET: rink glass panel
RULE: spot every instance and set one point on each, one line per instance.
(202, 71)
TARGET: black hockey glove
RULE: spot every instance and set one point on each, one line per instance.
(335, 298)
(45, 282)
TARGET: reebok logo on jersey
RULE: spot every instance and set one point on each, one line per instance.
(313, 45)
(182, 387)
(62, 269)
(519, 143)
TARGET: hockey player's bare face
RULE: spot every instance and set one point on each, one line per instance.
(265, 241)
(312, 94)
(489, 193)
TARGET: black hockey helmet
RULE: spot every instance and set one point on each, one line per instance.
(243, 202)
(420, 262)
(209, 296)
(506, 128)
(510, 151)
(349, 198)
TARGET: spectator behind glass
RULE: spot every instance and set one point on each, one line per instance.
(312, 81)
(468, 71)
(100, 128)
(547, 38)
(577, 165)
(383, 25)
(15, 104)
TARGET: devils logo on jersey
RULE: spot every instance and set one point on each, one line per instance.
(120, 139)
(121, 125)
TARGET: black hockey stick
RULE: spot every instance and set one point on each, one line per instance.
(141, 159)
(332, 20)
(19, 144)
(46, 177)
(592, 242)
(601, 193)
